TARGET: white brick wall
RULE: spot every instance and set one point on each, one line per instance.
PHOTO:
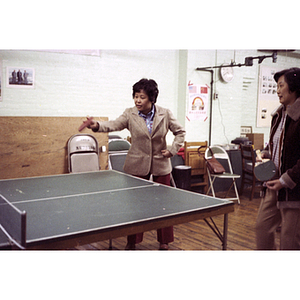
(80, 85)
(236, 105)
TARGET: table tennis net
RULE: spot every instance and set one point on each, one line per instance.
(13, 222)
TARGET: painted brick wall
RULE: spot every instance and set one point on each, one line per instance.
(80, 85)
(101, 85)
(237, 101)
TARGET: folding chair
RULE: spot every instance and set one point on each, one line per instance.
(117, 151)
(221, 154)
(83, 153)
(197, 163)
(248, 164)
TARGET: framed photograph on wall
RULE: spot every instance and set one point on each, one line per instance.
(19, 77)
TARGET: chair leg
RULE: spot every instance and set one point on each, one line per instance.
(227, 193)
(242, 186)
(110, 244)
(209, 180)
(253, 188)
(236, 192)
(172, 180)
(211, 184)
(212, 187)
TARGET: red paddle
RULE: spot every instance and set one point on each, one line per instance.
(86, 123)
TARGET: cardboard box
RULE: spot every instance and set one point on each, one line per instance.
(257, 140)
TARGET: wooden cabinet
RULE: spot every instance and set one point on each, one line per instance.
(199, 178)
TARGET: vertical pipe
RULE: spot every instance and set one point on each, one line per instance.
(210, 102)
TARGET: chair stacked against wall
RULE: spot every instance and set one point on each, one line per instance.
(197, 163)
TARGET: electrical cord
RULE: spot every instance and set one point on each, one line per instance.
(220, 111)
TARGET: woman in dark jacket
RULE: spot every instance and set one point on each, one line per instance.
(281, 203)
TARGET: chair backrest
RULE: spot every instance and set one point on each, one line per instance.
(83, 153)
(113, 137)
(193, 159)
(219, 153)
(118, 145)
(248, 157)
(117, 152)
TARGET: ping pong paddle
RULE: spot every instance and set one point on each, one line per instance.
(86, 123)
(265, 170)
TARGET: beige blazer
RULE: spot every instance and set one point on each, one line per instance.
(144, 155)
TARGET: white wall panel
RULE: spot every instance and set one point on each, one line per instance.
(68, 84)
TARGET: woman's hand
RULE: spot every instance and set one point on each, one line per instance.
(93, 124)
(166, 153)
(274, 185)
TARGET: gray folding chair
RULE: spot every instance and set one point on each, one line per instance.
(117, 151)
(83, 153)
(221, 154)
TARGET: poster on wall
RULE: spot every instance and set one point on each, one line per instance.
(198, 102)
(267, 95)
(19, 77)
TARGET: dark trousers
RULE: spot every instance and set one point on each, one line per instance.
(164, 235)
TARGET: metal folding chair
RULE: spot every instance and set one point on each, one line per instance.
(117, 151)
(83, 153)
(221, 154)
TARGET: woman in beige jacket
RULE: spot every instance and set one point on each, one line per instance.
(148, 125)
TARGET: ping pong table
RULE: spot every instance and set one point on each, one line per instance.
(63, 211)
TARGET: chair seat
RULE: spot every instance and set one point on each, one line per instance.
(220, 155)
(226, 175)
(84, 162)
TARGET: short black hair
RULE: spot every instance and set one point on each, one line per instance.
(292, 78)
(149, 86)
